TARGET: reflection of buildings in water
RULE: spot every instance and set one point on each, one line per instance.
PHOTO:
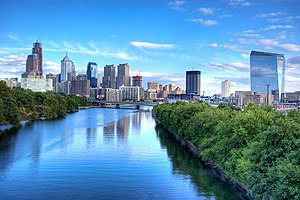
(123, 129)
(109, 132)
(36, 151)
(136, 121)
(91, 136)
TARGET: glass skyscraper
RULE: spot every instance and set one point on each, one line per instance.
(267, 73)
(92, 74)
(67, 69)
(193, 82)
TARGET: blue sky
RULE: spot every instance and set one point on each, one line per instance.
(162, 39)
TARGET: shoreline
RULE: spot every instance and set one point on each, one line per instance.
(240, 190)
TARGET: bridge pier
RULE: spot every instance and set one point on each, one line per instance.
(137, 106)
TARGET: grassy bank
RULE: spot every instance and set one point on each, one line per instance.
(257, 147)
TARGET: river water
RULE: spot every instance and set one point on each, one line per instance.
(101, 154)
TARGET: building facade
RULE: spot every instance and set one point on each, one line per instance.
(80, 87)
(67, 69)
(130, 93)
(37, 84)
(137, 81)
(153, 86)
(267, 73)
(109, 78)
(34, 62)
(92, 74)
(123, 77)
(193, 82)
(225, 88)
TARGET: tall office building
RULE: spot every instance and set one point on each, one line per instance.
(34, 62)
(37, 49)
(267, 73)
(225, 88)
(137, 81)
(123, 77)
(92, 74)
(193, 82)
(67, 69)
(109, 78)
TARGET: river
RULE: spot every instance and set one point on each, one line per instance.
(101, 154)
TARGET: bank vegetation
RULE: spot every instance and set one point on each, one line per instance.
(257, 147)
(19, 104)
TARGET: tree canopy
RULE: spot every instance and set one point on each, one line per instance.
(258, 147)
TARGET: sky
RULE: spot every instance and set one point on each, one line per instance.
(159, 39)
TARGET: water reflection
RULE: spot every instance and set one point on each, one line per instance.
(187, 165)
(91, 137)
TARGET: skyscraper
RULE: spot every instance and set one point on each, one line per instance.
(92, 74)
(109, 78)
(67, 69)
(123, 77)
(34, 62)
(137, 81)
(193, 82)
(267, 73)
(37, 49)
(225, 88)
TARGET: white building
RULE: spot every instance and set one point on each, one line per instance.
(67, 69)
(130, 93)
(225, 88)
(37, 84)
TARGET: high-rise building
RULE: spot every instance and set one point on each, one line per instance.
(92, 74)
(80, 87)
(123, 77)
(137, 81)
(67, 69)
(34, 62)
(225, 88)
(109, 78)
(172, 87)
(153, 86)
(37, 49)
(267, 73)
(193, 82)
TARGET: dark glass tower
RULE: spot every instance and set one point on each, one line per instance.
(193, 82)
(267, 72)
(92, 74)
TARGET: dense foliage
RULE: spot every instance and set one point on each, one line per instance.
(17, 104)
(258, 147)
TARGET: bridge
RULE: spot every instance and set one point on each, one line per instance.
(119, 104)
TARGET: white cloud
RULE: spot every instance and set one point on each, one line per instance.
(271, 14)
(231, 66)
(245, 55)
(204, 22)
(206, 11)
(239, 3)
(121, 55)
(289, 47)
(273, 27)
(13, 37)
(149, 45)
(51, 67)
(176, 5)
(213, 45)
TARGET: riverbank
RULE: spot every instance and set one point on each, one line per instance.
(238, 187)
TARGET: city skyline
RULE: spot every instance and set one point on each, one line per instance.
(163, 40)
